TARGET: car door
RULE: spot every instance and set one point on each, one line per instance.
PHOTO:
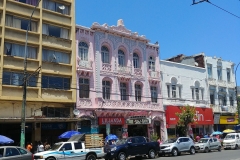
(13, 153)
(79, 152)
(180, 144)
(67, 151)
(216, 143)
(131, 148)
(211, 144)
(24, 153)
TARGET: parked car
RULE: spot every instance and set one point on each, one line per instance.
(208, 144)
(132, 146)
(177, 145)
(15, 153)
(232, 141)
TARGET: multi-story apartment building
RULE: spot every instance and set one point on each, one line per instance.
(118, 82)
(51, 47)
(221, 87)
(184, 85)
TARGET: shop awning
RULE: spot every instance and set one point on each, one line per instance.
(204, 116)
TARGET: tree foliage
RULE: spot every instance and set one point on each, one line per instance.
(186, 116)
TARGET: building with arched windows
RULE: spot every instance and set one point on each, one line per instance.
(184, 85)
(118, 79)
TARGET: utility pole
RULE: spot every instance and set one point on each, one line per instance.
(25, 78)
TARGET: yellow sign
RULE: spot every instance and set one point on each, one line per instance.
(228, 120)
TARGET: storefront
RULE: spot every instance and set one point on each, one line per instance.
(203, 121)
(226, 122)
(138, 126)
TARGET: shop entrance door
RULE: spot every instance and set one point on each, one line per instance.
(137, 130)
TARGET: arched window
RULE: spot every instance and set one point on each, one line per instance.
(121, 58)
(138, 92)
(106, 89)
(135, 60)
(83, 51)
(151, 63)
(154, 95)
(105, 54)
(123, 91)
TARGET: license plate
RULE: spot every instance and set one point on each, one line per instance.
(228, 146)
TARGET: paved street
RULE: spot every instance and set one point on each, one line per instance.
(214, 155)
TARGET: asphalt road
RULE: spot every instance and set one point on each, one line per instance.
(214, 155)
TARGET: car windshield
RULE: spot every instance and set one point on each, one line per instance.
(56, 146)
(171, 140)
(232, 136)
(121, 141)
(203, 140)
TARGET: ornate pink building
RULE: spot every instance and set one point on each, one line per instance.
(119, 87)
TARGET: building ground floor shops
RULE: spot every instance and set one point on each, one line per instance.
(44, 121)
(225, 121)
(123, 123)
(204, 122)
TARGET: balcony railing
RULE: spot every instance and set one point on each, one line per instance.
(220, 109)
(212, 81)
(222, 83)
(137, 71)
(124, 70)
(231, 85)
(85, 64)
(106, 67)
(154, 74)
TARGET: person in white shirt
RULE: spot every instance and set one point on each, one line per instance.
(40, 147)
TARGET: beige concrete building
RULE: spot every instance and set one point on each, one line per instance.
(51, 92)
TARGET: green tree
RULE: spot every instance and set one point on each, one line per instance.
(186, 117)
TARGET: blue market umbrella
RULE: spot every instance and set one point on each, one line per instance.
(68, 134)
(111, 137)
(216, 133)
(5, 140)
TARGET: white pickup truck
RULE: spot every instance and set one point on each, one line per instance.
(71, 150)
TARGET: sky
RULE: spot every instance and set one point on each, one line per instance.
(178, 26)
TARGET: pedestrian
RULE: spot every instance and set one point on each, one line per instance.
(29, 146)
(47, 146)
(40, 147)
(159, 141)
(197, 138)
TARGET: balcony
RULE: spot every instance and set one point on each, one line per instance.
(201, 102)
(215, 108)
(231, 85)
(56, 42)
(137, 72)
(106, 67)
(122, 105)
(124, 70)
(222, 83)
(223, 109)
(154, 77)
(212, 81)
(84, 67)
(84, 103)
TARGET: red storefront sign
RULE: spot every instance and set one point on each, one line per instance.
(204, 116)
(111, 121)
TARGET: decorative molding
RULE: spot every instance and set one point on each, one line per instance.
(115, 40)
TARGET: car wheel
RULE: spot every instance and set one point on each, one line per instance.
(51, 158)
(206, 150)
(122, 156)
(151, 154)
(192, 150)
(219, 148)
(91, 157)
(174, 152)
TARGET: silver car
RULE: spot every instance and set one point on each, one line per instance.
(177, 145)
(14, 153)
(208, 144)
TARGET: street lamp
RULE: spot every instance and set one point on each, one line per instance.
(238, 107)
(23, 114)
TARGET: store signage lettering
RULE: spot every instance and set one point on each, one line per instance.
(230, 119)
(139, 121)
(111, 120)
(198, 116)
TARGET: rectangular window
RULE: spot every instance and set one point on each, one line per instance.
(16, 79)
(56, 112)
(209, 68)
(56, 82)
(168, 90)
(20, 23)
(174, 92)
(202, 91)
(84, 88)
(19, 50)
(154, 95)
(180, 92)
(55, 56)
(219, 72)
(123, 91)
(31, 2)
(192, 93)
(228, 75)
(55, 31)
(212, 99)
(138, 92)
(106, 88)
(231, 100)
(197, 93)
(56, 7)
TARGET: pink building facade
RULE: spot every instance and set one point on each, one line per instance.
(119, 86)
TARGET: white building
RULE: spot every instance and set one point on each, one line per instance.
(184, 85)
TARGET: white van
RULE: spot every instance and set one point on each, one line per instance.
(232, 141)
